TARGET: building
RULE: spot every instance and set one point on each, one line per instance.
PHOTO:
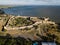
(44, 43)
(48, 43)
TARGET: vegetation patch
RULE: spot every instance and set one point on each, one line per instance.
(18, 22)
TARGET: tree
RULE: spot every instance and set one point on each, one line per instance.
(1, 11)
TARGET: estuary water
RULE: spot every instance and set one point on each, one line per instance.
(53, 12)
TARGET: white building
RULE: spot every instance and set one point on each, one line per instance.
(48, 43)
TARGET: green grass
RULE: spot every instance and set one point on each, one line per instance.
(5, 6)
(20, 22)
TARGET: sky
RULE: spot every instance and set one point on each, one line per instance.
(29, 2)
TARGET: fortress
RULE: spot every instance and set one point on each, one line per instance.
(29, 26)
(26, 26)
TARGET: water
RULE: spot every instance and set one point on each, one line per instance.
(53, 12)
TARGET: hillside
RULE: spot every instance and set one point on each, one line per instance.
(29, 28)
